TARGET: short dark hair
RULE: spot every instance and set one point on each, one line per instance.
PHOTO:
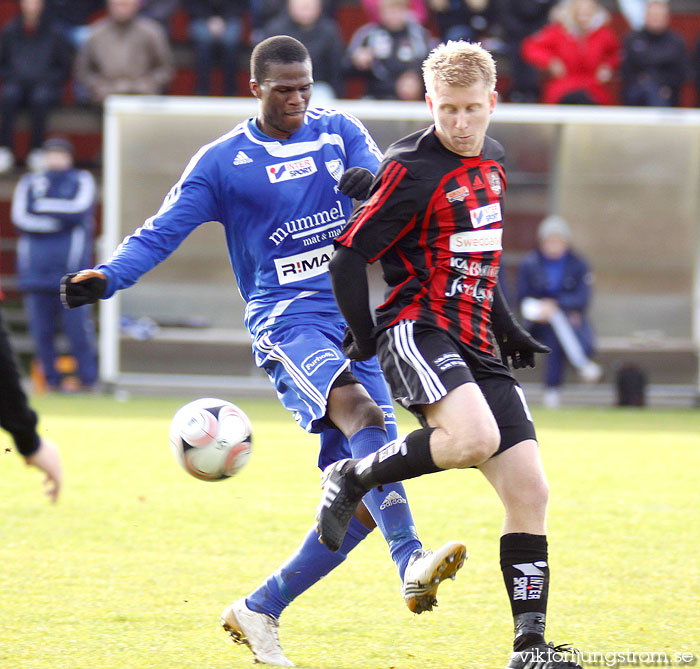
(277, 49)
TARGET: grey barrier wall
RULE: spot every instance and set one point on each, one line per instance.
(628, 180)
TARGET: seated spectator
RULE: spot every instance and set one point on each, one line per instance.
(215, 27)
(35, 63)
(389, 53)
(74, 16)
(303, 20)
(125, 54)
(470, 20)
(554, 290)
(160, 10)
(655, 62)
(53, 210)
(417, 7)
(579, 51)
(518, 19)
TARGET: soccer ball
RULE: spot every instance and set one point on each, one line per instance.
(211, 439)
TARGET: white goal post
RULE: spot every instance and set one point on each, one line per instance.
(628, 180)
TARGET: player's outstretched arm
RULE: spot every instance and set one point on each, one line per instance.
(84, 287)
(348, 270)
(46, 459)
(518, 346)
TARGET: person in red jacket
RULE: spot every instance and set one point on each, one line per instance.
(579, 51)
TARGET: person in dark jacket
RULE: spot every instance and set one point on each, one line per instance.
(519, 19)
(469, 20)
(389, 53)
(554, 291)
(654, 61)
(35, 63)
(304, 20)
(216, 26)
(74, 17)
(53, 211)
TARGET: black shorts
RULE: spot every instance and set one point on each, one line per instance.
(423, 363)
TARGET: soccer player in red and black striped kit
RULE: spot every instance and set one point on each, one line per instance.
(434, 219)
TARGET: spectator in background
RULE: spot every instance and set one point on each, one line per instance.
(579, 51)
(655, 62)
(519, 19)
(469, 20)
(74, 16)
(18, 418)
(417, 7)
(389, 53)
(53, 211)
(160, 10)
(554, 291)
(263, 11)
(35, 63)
(215, 27)
(304, 20)
(124, 54)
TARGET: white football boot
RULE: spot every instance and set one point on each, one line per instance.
(426, 570)
(258, 631)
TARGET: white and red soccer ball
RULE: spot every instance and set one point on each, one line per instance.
(211, 438)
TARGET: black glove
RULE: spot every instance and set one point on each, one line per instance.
(87, 291)
(520, 346)
(356, 182)
(514, 341)
(358, 351)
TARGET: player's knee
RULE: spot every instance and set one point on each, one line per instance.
(351, 408)
(476, 446)
(483, 447)
(369, 413)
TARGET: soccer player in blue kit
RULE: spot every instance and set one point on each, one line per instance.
(282, 185)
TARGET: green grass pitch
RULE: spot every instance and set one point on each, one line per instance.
(134, 564)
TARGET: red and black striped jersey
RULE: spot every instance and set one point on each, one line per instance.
(435, 221)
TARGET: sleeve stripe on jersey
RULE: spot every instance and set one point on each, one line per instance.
(371, 144)
(390, 179)
(174, 193)
(406, 227)
(318, 112)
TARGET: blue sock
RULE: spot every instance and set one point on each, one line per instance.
(388, 504)
(306, 566)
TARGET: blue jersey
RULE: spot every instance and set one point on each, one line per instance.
(280, 206)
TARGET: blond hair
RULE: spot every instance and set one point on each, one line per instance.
(459, 64)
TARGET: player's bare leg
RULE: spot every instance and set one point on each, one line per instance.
(518, 478)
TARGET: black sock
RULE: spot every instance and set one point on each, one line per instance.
(398, 460)
(526, 575)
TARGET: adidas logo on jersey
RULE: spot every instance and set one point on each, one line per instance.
(241, 159)
(392, 498)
